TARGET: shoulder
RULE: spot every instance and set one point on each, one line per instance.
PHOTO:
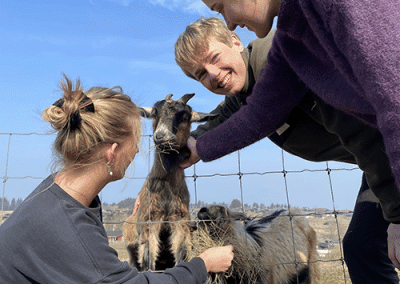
(264, 43)
(258, 53)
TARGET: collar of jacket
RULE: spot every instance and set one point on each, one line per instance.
(250, 81)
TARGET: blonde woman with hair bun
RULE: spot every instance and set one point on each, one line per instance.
(56, 235)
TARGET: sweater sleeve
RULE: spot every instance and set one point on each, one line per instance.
(265, 111)
(367, 35)
(225, 109)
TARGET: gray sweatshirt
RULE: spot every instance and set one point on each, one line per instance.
(52, 238)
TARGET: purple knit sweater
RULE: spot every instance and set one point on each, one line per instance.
(345, 51)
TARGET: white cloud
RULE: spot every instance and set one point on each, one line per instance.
(171, 4)
(198, 7)
(188, 6)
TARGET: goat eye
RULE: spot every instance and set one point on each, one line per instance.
(185, 117)
(182, 117)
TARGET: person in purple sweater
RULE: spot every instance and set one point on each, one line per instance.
(214, 56)
(345, 51)
(56, 235)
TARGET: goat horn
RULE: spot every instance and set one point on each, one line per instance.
(168, 97)
(186, 98)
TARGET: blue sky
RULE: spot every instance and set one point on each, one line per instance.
(130, 43)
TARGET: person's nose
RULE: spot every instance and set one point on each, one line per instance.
(213, 73)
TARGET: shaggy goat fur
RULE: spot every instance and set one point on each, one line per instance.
(274, 249)
(158, 236)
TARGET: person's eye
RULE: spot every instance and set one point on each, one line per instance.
(215, 57)
(201, 76)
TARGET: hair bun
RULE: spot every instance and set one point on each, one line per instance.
(56, 116)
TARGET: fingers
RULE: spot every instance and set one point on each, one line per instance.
(218, 259)
(230, 255)
(394, 244)
(194, 158)
(136, 207)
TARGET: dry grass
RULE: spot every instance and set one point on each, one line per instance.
(328, 228)
(4, 215)
(202, 241)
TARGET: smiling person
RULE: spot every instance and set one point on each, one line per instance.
(256, 15)
(333, 48)
(211, 54)
(56, 235)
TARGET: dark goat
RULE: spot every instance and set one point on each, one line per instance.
(158, 236)
(272, 249)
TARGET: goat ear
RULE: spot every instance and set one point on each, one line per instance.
(145, 111)
(201, 116)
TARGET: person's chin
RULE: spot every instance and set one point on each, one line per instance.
(263, 31)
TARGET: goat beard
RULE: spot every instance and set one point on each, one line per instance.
(167, 148)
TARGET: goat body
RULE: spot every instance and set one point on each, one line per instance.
(158, 236)
(274, 249)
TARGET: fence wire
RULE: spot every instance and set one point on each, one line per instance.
(194, 178)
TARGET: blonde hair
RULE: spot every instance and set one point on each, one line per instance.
(115, 117)
(193, 42)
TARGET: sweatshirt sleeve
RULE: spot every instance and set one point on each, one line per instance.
(367, 35)
(193, 272)
(265, 111)
(225, 109)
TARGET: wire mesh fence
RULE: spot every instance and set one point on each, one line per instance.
(254, 177)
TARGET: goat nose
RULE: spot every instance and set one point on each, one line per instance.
(202, 214)
(159, 135)
(203, 210)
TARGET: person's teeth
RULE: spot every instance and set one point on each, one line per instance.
(223, 83)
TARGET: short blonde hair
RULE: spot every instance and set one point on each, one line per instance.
(193, 42)
(115, 117)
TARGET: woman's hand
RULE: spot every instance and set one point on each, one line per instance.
(217, 259)
(194, 158)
